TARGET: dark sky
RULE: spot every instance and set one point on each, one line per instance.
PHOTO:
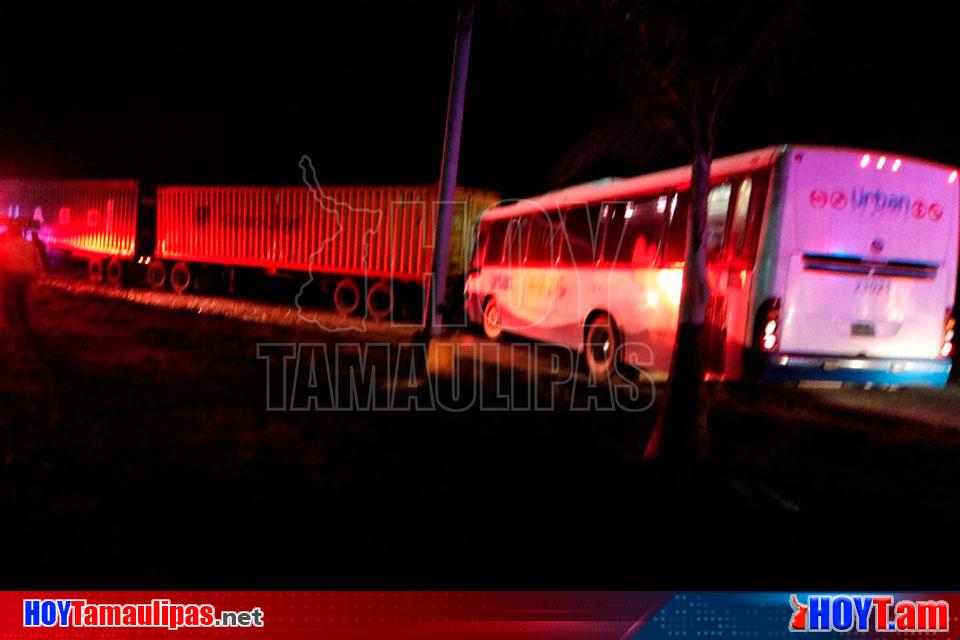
(235, 94)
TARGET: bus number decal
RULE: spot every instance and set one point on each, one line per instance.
(874, 287)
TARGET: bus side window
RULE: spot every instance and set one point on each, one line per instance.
(513, 245)
(675, 243)
(740, 211)
(496, 237)
(718, 207)
(541, 246)
(580, 237)
(480, 245)
(633, 231)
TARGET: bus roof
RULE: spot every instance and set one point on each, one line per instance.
(612, 189)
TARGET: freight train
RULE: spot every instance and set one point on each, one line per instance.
(369, 247)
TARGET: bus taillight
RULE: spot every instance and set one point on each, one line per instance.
(769, 334)
(946, 347)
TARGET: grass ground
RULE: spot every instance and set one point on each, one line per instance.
(138, 451)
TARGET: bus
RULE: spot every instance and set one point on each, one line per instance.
(824, 264)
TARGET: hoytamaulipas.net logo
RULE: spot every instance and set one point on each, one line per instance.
(156, 613)
(861, 613)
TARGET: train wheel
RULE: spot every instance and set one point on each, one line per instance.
(346, 297)
(492, 319)
(95, 270)
(157, 275)
(380, 300)
(601, 345)
(180, 277)
(114, 272)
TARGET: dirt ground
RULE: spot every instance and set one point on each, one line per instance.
(138, 451)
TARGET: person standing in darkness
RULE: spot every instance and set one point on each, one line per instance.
(20, 267)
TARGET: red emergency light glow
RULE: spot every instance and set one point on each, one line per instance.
(769, 337)
(946, 348)
(864, 161)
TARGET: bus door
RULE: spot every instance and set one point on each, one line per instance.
(733, 218)
(715, 325)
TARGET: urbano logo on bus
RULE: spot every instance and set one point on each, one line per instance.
(875, 201)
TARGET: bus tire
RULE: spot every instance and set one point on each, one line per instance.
(115, 272)
(157, 275)
(180, 277)
(346, 297)
(600, 344)
(492, 319)
(95, 270)
(380, 300)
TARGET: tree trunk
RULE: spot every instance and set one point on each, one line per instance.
(678, 432)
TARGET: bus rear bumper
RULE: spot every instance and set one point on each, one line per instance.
(783, 367)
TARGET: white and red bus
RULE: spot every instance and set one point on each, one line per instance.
(824, 264)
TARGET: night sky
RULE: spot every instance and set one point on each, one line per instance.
(235, 94)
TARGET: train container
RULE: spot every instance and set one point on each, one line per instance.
(361, 242)
(93, 220)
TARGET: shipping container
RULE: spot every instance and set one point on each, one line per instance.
(92, 219)
(376, 232)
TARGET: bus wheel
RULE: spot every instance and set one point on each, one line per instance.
(380, 300)
(180, 277)
(95, 270)
(157, 275)
(346, 297)
(492, 320)
(601, 345)
(115, 272)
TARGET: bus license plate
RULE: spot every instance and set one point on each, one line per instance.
(862, 329)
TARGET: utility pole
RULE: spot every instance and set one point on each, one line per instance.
(436, 294)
